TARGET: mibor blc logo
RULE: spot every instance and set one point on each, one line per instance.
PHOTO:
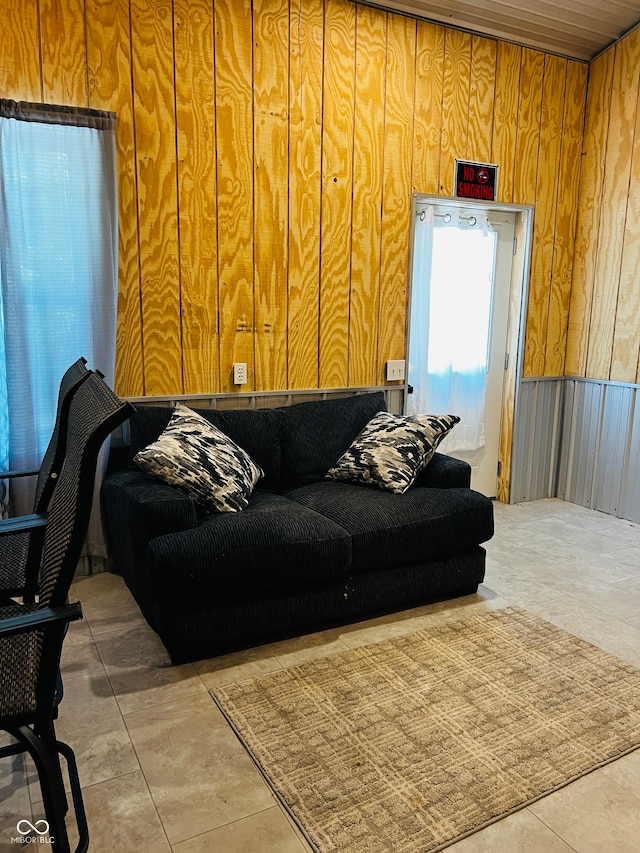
(32, 833)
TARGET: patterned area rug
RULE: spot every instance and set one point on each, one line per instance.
(413, 743)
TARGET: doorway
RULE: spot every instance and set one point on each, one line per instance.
(460, 312)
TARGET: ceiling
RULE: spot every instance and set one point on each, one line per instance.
(574, 28)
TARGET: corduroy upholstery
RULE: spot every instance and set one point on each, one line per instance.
(307, 552)
(388, 530)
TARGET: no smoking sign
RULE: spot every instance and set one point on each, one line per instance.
(475, 180)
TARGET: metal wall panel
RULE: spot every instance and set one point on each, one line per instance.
(600, 447)
(630, 492)
(613, 447)
(536, 439)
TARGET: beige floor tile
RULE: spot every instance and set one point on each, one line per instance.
(591, 624)
(107, 603)
(236, 666)
(265, 832)
(593, 815)
(122, 817)
(140, 670)
(15, 804)
(79, 652)
(91, 723)
(403, 623)
(199, 775)
(626, 773)
(521, 832)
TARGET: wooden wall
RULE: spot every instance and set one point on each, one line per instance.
(268, 152)
(604, 328)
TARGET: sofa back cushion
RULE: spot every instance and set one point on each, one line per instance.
(315, 435)
(255, 430)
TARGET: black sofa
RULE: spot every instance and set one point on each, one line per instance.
(307, 552)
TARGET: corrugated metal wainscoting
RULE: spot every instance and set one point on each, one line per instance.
(579, 440)
(600, 456)
(536, 439)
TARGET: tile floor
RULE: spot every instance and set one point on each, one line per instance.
(162, 771)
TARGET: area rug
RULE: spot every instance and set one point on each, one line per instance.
(411, 744)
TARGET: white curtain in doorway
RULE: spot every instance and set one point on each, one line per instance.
(451, 304)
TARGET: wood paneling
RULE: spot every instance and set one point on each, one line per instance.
(234, 123)
(396, 192)
(267, 156)
(589, 206)
(110, 88)
(546, 195)
(20, 69)
(371, 52)
(271, 144)
(337, 180)
(305, 134)
(64, 51)
(197, 210)
(604, 322)
(154, 116)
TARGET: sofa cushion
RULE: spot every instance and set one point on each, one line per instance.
(256, 430)
(389, 530)
(392, 450)
(202, 461)
(314, 435)
(275, 546)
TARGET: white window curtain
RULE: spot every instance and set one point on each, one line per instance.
(452, 289)
(58, 269)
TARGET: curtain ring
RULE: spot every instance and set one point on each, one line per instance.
(446, 218)
(472, 221)
(421, 215)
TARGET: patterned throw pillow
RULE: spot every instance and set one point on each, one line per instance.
(202, 461)
(391, 450)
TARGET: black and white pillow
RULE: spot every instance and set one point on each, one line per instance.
(198, 458)
(392, 450)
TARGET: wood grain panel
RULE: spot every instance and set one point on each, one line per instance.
(109, 73)
(396, 200)
(64, 52)
(615, 189)
(337, 180)
(626, 341)
(505, 119)
(546, 195)
(484, 56)
(428, 108)
(305, 124)
(155, 130)
(371, 55)
(528, 138)
(589, 206)
(455, 105)
(20, 74)
(271, 151)
(234, 123)
(566, 216)
(197, 216)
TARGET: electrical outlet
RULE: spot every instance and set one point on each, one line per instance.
(239, 373)
(395, 370)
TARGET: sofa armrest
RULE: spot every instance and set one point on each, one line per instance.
(138, 508)
(445, 472)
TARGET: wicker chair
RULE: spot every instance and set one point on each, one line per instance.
(20, 551)
(32, 634)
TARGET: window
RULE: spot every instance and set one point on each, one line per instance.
(58, 265)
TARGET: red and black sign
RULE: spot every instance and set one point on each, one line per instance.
(476, 180)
